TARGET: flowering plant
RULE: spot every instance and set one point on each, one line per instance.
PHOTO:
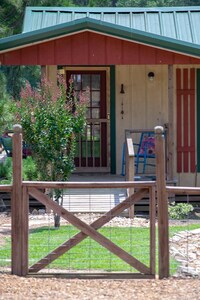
(50, 118)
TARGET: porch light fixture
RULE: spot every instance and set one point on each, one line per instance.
(122, 89)
(151, 76)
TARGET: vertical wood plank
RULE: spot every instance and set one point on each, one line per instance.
(19, 210)
(130, 170)
(186, 121)
(179, 121)
(170, 133)
(24, 233)
(163, 231)
(192, 121)
(152, 212)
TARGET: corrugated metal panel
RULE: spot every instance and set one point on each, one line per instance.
(124, 19)
(49, 19)
(169, 28)
(139, 21)
(184, 27)
(195, 20)
(64, 17)
(36, 21)
(153, 23)
(180, 23)
(109, 17)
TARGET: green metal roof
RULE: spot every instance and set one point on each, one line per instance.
(181, 23)
(175, 29)
(118, 31)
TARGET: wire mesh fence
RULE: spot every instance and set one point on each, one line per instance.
(88, 256)
(5, 242)
(131, 235)
(184, 238)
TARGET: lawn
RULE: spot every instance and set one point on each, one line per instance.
(89, 255)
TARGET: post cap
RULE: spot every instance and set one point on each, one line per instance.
(158, 130)
(17, 128)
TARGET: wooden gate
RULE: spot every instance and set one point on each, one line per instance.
(91, 230)
(20, 211)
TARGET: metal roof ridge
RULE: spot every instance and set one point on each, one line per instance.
(114, 9)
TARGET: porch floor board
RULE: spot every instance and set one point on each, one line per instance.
(93, 200)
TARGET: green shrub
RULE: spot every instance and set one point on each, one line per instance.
(6, 169)
(29, 169)
(179, 211)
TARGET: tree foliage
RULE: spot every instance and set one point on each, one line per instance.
(6, 114)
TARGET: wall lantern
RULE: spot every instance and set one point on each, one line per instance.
(122, 89)
(151, 76)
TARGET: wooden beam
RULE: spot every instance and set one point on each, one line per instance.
(152, 212)
(88, 185)
(130, 169)
(25, 231)
(6, 188)
(162, 200)
(89, 231)
(183, 190)
(19, 210)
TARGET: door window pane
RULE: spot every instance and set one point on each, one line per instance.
(96, 99)
(85, 81)
(95, 113)
(95, 82)
(77, 81)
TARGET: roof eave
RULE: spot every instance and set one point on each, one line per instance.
(64, 29)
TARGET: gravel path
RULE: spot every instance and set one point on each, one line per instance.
(19, 288)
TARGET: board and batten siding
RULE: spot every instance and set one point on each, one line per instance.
(186, 125)
(145, 101)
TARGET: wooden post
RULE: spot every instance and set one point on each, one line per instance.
(162, 201)
(130, 170)
(19, 210)
(152, 215)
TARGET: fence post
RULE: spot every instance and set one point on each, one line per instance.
(19, 210)
(162, 201)
(130, 170)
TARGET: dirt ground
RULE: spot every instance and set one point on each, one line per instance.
(22, 288)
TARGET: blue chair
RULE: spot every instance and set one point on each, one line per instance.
(145, 153)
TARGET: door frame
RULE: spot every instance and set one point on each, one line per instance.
(108, 109)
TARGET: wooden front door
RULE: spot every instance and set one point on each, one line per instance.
(92, 148)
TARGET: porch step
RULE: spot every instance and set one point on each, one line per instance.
(93, 200)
